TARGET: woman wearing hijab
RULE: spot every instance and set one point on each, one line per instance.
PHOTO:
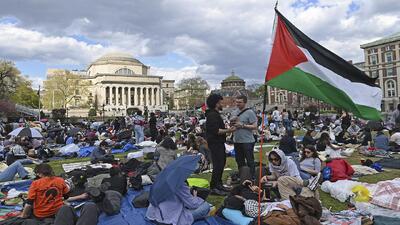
(286, 177)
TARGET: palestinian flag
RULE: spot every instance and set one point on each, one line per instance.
(299, 64)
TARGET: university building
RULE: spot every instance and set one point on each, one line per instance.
(231, 87)
(119, 83)
(382, 61)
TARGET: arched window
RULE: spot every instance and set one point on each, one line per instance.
(124, 71)
(390, 88)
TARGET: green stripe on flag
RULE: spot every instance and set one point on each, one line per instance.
(299, 81)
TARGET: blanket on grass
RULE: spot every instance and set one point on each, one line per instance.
(129, 215)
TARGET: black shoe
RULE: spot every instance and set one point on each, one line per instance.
(216, 191)
(225, 189)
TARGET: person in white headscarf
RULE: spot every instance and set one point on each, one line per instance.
(286, 176)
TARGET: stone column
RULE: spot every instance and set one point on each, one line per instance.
(105, 96)
(157, 96)
(120, 95)
(153, 96)
(144, 96)
(161, 97)
(113, 95)
(123, 96)
(137, 96)
(149, 101)
(129, 97)
(134, 102)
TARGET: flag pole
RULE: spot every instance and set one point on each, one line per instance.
(260, 154)
(39, 103)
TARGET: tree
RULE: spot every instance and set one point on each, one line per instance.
(254, 90)
(25, 95)
(196, 91)
(92, 112)
(61, 88)
(9, 77)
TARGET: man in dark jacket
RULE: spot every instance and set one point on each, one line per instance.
(288, 144)
(216, 137)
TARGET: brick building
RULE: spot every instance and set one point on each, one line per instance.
(382, 61)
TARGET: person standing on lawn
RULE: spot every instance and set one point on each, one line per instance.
(216, 137)
(243, 137)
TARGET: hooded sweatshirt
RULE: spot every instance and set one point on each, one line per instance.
(286, 168)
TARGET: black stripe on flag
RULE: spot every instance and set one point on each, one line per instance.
(326, 58)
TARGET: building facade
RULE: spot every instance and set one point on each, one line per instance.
(231, 87)
(382, 61)
(119, 84)
(189, 99)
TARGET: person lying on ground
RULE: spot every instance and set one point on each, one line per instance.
(15, 168)
(310, 163)
(246, 190)
(286, 177)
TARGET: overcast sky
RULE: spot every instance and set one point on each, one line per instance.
(181, 38)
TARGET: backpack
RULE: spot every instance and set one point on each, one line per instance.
(326, 173)
(141, 200)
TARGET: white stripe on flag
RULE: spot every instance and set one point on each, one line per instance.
(359, 93)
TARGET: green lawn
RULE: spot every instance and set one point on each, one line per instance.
(327, 201)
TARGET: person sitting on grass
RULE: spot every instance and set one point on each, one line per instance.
(308, 139)
(381, 141)
(100, 154)
(286, 177)
(366, 137)
(324, 144)
(394, 141)
(288, 144)
(183, 208)
(353, 132)
(310, 164)
(45, 202)
(117, 181)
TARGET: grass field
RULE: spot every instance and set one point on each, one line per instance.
(327, 201)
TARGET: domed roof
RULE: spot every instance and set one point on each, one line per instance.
(232, 77)
(116, 57)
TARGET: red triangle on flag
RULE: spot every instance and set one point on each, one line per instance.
(285, 53)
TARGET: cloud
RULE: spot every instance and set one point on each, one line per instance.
(217, 37)
(21, 44)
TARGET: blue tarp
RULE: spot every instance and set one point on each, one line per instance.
(127, 147)
(129, 215)
(86, 151)
(21, 185)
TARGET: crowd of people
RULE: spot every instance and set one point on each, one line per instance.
(293, 167)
